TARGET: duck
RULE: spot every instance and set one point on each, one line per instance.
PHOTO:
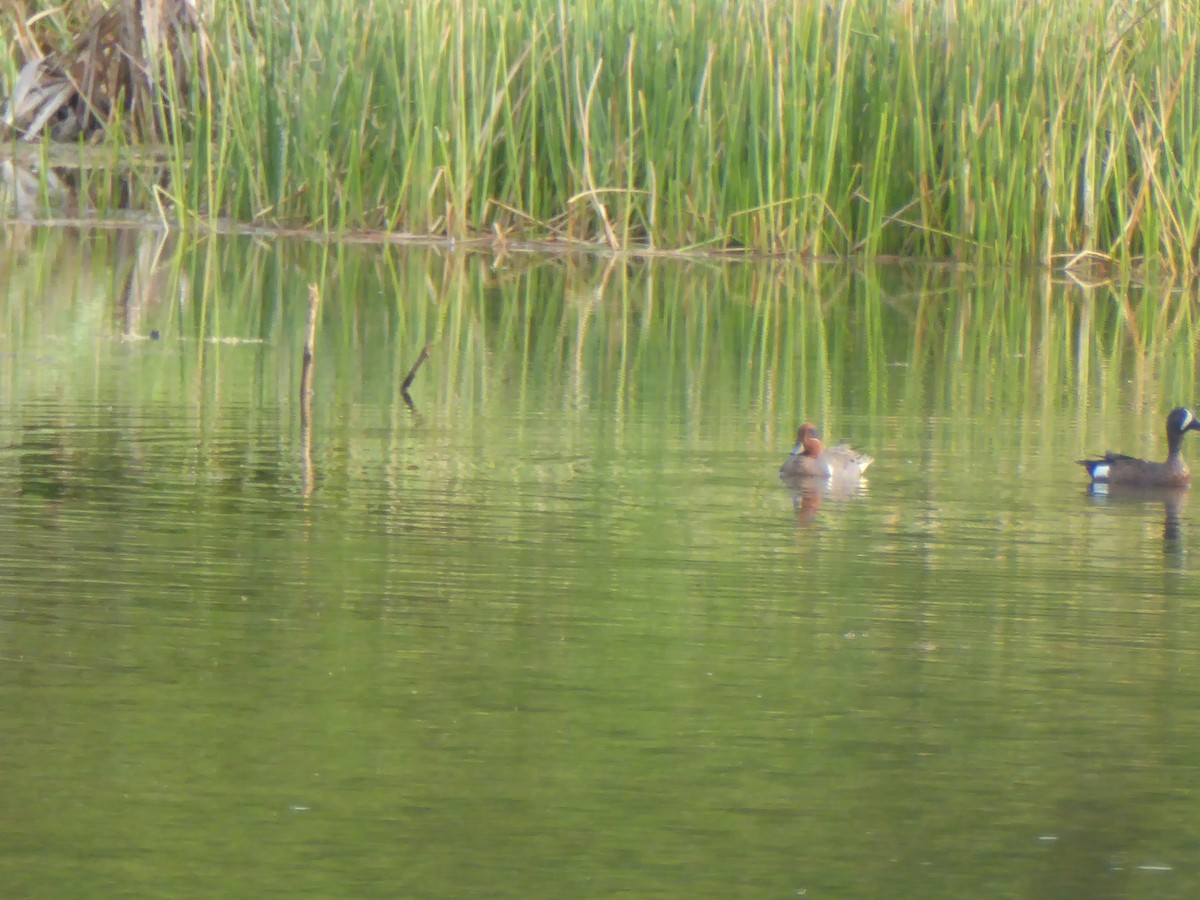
(1117, 468)
(810, 458)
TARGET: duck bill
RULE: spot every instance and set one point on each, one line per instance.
(798, 450)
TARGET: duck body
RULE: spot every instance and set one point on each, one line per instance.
(810, 458)
(1118, 468)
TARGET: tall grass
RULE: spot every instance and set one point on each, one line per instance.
(983, 130)
(976, 130)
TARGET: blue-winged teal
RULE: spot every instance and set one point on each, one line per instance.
(1117, 468)
(812, 459)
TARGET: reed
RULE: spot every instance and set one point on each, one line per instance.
(984, 130)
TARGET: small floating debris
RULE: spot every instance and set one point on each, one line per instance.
(156, 335)
(234, 340)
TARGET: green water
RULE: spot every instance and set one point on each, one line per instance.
(559, 631)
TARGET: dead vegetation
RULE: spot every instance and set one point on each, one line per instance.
(92, 67)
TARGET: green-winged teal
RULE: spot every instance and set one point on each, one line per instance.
(1117, 468)
(812, 459)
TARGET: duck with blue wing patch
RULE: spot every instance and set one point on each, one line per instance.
(1119, 468)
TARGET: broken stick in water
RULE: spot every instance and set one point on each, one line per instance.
(412, 373)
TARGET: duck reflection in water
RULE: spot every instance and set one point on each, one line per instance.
(814, 472)
(1173, 498)
(808, 494)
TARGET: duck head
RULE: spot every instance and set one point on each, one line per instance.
(1180, 420)
(808, 441)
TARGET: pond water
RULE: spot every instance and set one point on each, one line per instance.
(557, 629)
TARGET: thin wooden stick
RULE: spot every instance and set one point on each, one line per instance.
(314, 303)
(412, 373)
(306, 389)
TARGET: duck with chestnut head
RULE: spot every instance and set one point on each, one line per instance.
(810, 458)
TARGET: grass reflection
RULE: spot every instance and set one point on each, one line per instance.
(754, 346)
